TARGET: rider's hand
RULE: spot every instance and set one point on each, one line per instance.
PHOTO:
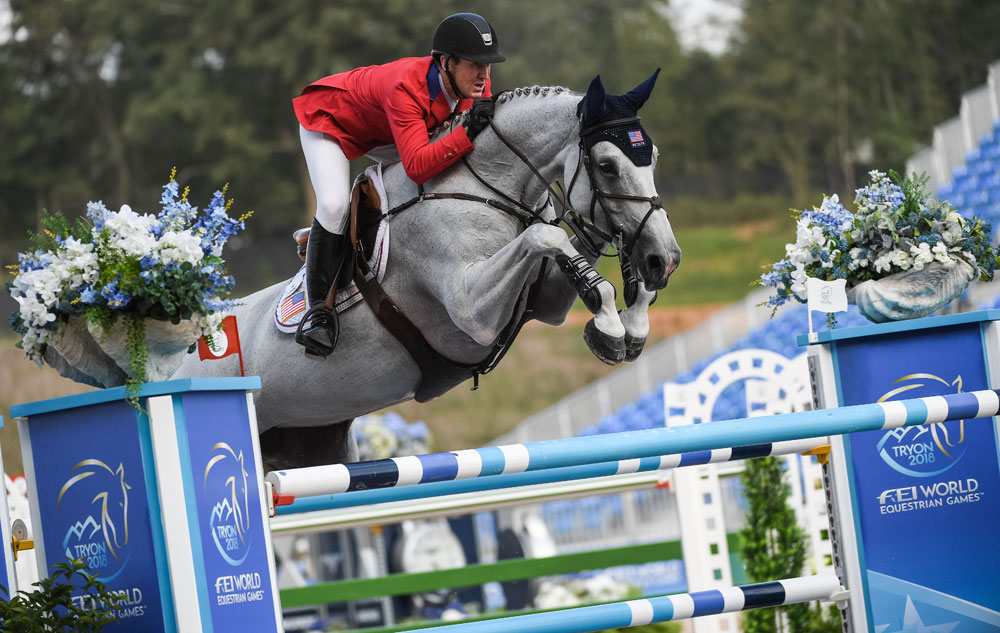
(479, 116)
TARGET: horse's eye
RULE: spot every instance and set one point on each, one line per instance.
(608, 167)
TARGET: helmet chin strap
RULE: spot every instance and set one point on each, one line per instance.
(451, 77)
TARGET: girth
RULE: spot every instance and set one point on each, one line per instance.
(437, 373)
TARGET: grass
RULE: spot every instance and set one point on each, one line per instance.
(720, 264)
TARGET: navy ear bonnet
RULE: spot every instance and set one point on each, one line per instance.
(598, 109)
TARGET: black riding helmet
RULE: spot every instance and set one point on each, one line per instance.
(468, 36)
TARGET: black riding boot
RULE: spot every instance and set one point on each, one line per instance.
(325, 255)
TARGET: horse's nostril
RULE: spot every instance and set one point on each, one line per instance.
(655, 265)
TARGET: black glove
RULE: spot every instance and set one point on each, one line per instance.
(479, 116)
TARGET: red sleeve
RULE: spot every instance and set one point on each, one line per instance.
(421, 159)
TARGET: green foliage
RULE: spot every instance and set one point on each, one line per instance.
(52, 606)
(771, 542)
(58, 225)
(138, 354)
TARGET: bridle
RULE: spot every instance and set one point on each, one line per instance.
(584, 228)
(431, 362)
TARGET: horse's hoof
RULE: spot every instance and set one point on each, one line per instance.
(609, 349)
(633, 347)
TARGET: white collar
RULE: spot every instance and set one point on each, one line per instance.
(451, 102)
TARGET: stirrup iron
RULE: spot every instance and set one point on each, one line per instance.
(322, 319)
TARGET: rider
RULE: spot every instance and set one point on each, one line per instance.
(347, 115)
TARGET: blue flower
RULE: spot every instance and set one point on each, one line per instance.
(115, 298)
(28, 261)
(89, 295)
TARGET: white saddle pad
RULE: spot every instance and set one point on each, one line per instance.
(294, 301)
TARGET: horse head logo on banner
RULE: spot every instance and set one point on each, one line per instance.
(923, 451)
(226, 481)
(101, 537)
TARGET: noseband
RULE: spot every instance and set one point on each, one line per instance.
(586, 229)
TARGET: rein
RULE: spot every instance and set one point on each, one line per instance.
(442, 370)
(582, 227)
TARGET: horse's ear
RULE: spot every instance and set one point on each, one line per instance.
(640, 93)
(592, 106)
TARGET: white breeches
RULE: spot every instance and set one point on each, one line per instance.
(330, 172)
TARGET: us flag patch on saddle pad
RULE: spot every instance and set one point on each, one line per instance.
(292, 305)
(293, 301)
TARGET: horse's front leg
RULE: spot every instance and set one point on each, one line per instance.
(636, 320)
(484, 294)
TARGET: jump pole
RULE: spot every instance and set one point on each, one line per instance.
(662, 609)
(579, 451)
(541, 477)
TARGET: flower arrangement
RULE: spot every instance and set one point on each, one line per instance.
(897, 228)
(114, 268)
(389, 435)
(556, 592)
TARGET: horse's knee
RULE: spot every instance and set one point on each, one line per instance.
(480, 325)
(545, 238)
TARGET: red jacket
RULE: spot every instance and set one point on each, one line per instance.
(393, 104)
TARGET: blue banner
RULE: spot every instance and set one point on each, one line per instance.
(230, 523)
(927, 498)
(92, 493)
(6, 553)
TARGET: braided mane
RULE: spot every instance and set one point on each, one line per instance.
(527, 91)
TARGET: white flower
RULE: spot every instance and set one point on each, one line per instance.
(855, 260)
(901, 259)
(552, 595)
(209, 323)
(922, 255)
(799, 277)
(883, 263)
(941, 253)
(803, 232)
(179, 247)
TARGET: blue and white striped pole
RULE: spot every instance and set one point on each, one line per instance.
(577, 451)
(552, 475)
(662, 609)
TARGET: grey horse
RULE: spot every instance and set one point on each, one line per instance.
(457, 268)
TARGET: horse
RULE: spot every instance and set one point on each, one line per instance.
(459, 266)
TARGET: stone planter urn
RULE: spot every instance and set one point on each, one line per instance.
(911, 294)
(86, 353)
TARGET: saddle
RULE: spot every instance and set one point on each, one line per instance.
(369, 235)
(366, 215)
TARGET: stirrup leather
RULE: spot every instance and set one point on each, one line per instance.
(584, 278)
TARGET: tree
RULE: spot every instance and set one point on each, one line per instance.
(771, 543)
